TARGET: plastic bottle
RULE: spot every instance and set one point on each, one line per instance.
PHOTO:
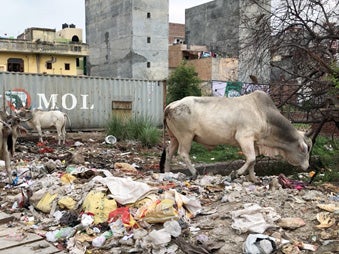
(100, 240)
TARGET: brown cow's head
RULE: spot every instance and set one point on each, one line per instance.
(24, 114)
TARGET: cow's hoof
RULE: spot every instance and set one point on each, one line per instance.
(193, 177)
(254, 179)
(233, 175)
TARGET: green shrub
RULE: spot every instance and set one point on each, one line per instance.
(184, 81)
(150, 136)
(141, 129)
(327, 150)
(116, 127)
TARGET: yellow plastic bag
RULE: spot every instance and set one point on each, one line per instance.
(67, 202)
(124, 167)
(45, 203)
(158, 212)
(67, 178)
(99, 205)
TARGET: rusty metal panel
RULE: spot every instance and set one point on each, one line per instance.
(87, 100)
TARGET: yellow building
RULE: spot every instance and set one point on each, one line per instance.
(45, 51)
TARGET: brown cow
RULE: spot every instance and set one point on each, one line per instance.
(251, 122)
(6, 147)
(9, 131)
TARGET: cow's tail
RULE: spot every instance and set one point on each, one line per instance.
(10, 144)
(163, 155)
(162, 161)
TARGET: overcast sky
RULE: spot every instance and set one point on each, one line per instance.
(17, 15)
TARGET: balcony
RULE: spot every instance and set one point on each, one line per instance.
(42, 47)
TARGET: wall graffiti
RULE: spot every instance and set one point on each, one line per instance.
(20, 98)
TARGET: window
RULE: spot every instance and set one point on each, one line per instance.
(67, 66)
(75, 38)
(148, 39)
(148, 15)
(49, 66)
(78, 62)
(76, 48)
(15, 65)
(148, 64)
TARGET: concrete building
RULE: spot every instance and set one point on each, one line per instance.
(217, 24)
(127, 38)
(208, 68)
(43, 50)
(176, 34)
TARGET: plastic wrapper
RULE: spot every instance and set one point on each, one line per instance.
(67, 178)
(45, 203)
(67, 202)
(98, 204)
(123, 214)
(158, 211)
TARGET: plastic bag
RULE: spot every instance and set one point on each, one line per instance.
(259, 244)
(98, 204)
(123, 214)
(45, 203)
(67, 178)
(67, 202)
(158, 211)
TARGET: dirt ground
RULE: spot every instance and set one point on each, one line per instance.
(300, 218)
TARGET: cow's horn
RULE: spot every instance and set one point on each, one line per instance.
(23, 119)
(309, 133)
(5, 124)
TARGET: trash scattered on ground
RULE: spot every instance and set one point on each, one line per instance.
(95, 195)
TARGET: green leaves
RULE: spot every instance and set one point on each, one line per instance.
(184, 81)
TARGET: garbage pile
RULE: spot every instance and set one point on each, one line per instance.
(123, 209)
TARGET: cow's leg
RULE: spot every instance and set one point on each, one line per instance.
(183, 152)
(171, 149)
(38, 128)
(59, 132)
(6, 156)
(59, 136)
(247, 147)
(63, 133)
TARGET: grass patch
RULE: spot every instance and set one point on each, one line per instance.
(220, 153)
(328, 151)
(141, 129)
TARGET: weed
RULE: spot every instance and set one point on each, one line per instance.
(142, 129)
(327, 150)
(149, 136)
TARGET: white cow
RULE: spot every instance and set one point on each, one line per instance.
(251, 122)
(39, 119)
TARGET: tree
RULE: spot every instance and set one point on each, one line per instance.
(301, 39)
(184, 81)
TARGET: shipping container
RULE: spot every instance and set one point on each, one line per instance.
(90, 102)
